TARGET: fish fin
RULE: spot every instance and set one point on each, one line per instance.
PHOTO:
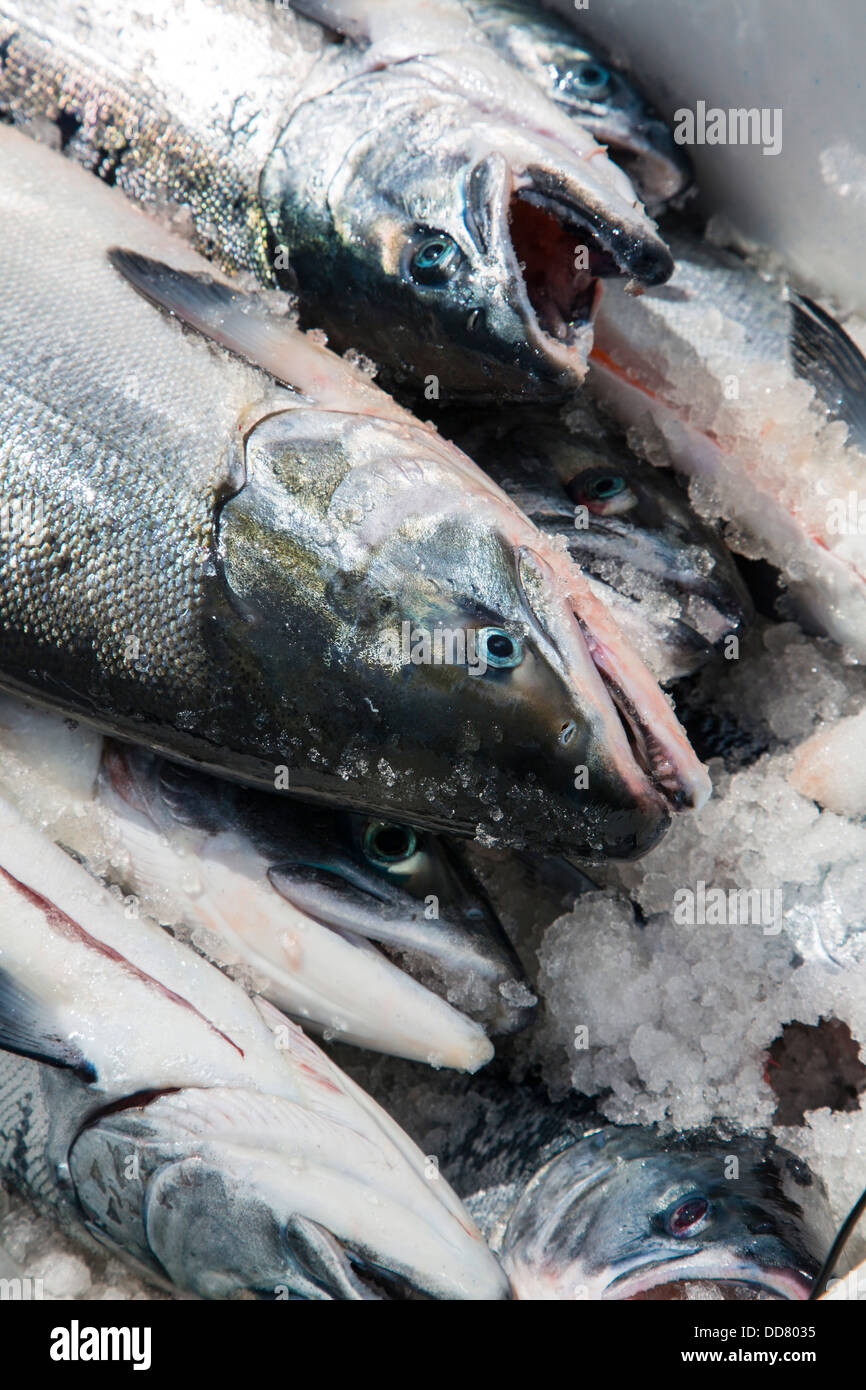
(239, 321)
(319, 1257)
(824, 355)
(26, 1029)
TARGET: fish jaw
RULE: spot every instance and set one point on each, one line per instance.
(660, 744)
(700, 599)
(283, 1177)
(317, 965)
(716, 1267)
(444, 945)
(513, 315)
(723, 1271)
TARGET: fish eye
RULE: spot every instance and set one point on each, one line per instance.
(689, 1214)
(606, 494)
(389, 844)
(588, 79)
(435, 259)
(499, 647)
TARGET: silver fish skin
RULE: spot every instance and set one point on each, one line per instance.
(300, 901)
(220, 569)
(759, 396)
(148, 1102)
(599, 95)
(579, 1209)
(664, 573)
(221, 110)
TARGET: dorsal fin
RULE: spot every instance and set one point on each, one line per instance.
(245, 324)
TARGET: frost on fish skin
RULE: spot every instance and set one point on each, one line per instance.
(256, 187)
(220, 1103)
(711, 365)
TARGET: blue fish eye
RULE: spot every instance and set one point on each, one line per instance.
(499, 647)
(435, 259)
(611, 485)
(387, 845)
(589, 79)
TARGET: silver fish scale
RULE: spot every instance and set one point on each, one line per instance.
(114, 116)
(116, 439)
(80, 551)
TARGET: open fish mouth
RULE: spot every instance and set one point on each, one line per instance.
(551, 250)
(443, 950)
(563, 250)
(693, 1277)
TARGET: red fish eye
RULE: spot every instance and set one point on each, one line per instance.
(687, 1215)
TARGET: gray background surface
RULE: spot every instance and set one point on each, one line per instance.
(807, 57)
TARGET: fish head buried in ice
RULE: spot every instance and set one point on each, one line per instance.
(627, 1214)
(450, 679)
(666, 574)
(587, 86)
(456, 244)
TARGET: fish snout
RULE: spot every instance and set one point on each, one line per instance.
(426, 937)
(633, 748)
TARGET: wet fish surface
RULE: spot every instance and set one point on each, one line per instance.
(595, 92)
(300, 903)
(759, 397)
(580, 1209)
(462, 227)
(148, 1101)
(664, 573)
(221, 569)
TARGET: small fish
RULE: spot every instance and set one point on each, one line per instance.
(148, 1102)
(664, 573)
(295, 895)
(578, 1209)
(413, 169)
(221, 569)
(759, 396)
(599, 96)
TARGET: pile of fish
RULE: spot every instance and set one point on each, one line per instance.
(279, 641)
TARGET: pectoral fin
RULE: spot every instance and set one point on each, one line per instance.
(27, 1028)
